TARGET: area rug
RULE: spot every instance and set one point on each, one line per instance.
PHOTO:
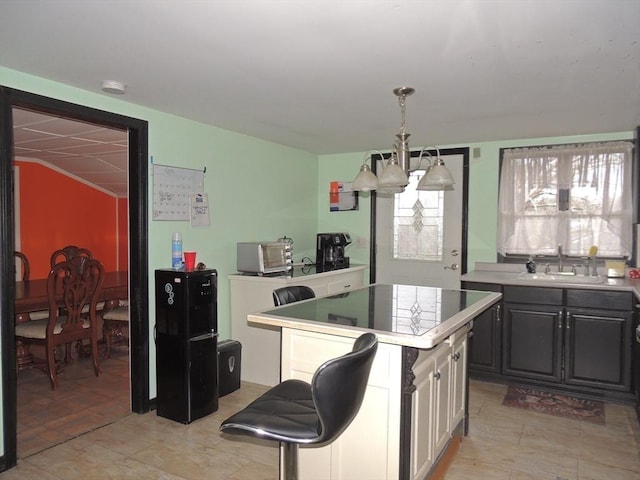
(555, 404)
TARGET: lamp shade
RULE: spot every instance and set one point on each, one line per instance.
(393, 176)
(437, 176)
(365, 181)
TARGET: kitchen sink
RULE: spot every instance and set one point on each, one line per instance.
(561, 278)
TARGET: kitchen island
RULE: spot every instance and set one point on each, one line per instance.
(416, 400)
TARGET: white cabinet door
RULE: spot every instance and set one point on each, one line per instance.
(438, 402)
(442, 404)
(458, 380)
(422, 407)
(345, 282)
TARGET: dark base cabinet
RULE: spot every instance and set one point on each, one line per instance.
(485, 341)
(532, 342)
(571, 340)
(599, 349)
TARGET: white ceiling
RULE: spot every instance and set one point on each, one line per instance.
(319, 75)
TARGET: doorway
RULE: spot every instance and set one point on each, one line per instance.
(137, 131)
(420, 238)
(77, 172)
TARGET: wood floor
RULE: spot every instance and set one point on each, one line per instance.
(504, 443)
(81, 403)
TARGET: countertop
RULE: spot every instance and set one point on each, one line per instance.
(301, 271)
(414, 316)
(508, 274)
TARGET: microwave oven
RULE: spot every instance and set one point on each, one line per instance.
(264, 257)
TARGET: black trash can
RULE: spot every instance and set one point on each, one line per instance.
(229, 355)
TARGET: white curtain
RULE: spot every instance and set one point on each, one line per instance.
(570, 195)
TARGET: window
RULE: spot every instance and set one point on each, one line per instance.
(418, 222)
(570, 195)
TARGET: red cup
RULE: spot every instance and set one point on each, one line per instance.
(189, 261)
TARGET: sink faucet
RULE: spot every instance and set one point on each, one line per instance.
(560, 265)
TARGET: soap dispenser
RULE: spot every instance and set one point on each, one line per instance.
(531, 265)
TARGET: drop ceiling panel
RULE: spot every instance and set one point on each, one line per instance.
(90, 152)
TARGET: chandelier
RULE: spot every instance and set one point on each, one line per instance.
(395, 174)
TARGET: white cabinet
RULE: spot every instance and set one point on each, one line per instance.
(458, 377)
(429, 408)
(372, 447)
(438, 402)
(250, 294)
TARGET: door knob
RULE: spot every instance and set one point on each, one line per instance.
(454, 266)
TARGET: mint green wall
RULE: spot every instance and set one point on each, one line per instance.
(344, 168)
(483, 193)
(248, 181)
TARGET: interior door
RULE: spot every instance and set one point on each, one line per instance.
(419, 237)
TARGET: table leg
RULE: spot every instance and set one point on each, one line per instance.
(24, 357)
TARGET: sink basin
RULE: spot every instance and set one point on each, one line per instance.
(559, 278)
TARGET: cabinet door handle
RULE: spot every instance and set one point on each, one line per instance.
(456, 356)
(568, 323)
(560, 319)
(498, 312)
(347, 286)
(436, 375)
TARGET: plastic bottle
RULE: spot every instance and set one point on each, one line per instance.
(531, 265)
(176, 251)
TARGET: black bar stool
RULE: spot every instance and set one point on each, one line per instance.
(298, 413)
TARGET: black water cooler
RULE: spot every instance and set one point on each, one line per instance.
(186, 344)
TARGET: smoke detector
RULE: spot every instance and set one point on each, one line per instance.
(113, 86)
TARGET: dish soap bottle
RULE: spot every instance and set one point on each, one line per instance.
(531, 265)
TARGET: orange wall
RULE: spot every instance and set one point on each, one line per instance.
(123, 237)
(56, 210)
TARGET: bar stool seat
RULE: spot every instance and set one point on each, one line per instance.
(295, 412)
(292, 293)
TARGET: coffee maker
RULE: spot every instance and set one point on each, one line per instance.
(330, 250)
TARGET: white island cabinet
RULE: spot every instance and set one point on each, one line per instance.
(415, 406)
(252, 293)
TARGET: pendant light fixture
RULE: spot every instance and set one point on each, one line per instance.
(395, 174)
(366, 179)
(437, 175)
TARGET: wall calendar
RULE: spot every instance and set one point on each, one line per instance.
(173, 188)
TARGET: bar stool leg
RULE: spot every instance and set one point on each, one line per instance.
(290, 461)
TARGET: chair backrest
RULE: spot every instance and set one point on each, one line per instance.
(290, 294)
(73, 285)
(24, 265)
(338, 387)
(68, 252)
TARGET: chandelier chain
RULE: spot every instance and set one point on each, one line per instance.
(402, 101)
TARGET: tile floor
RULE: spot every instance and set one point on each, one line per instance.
(503, 443)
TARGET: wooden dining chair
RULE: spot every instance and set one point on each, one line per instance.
(68, 252)
(26, 272)
(115, 321)
(71, 286)
(22, 260)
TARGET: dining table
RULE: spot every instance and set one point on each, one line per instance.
(32, 296)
